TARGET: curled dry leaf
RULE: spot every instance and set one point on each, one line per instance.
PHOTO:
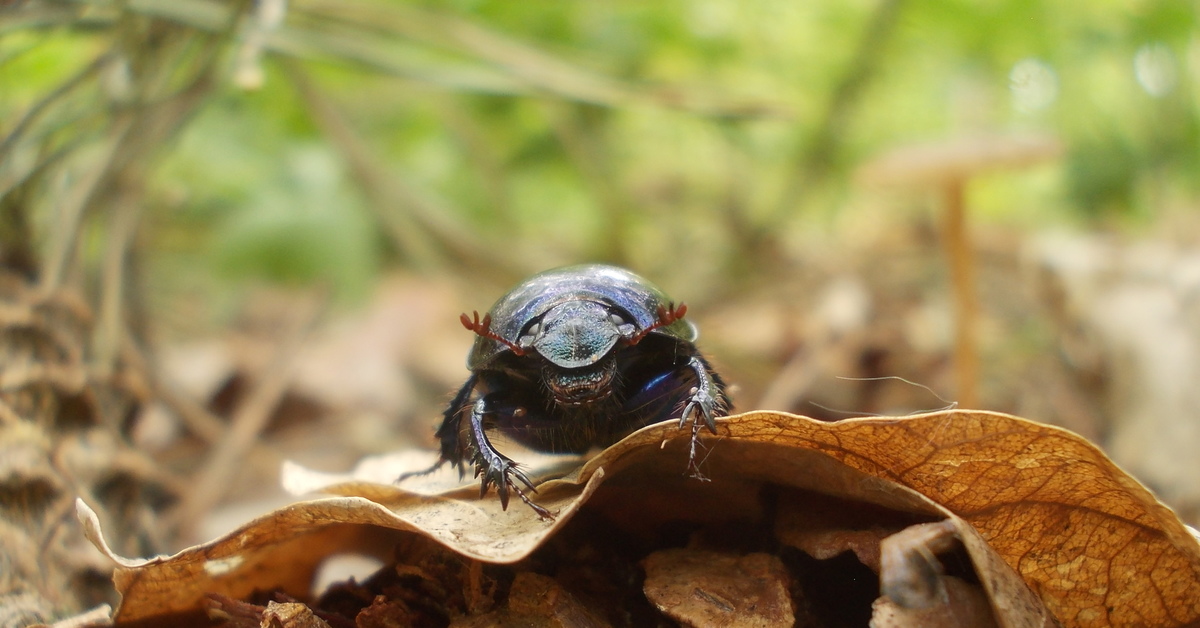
(1048, 529)
(917, 592)
(964, 606)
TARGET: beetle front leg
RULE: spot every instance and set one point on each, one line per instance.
(494, 467)
(707, 398)
(706, 401)
(452, 448)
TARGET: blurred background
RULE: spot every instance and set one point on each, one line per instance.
(235, 233)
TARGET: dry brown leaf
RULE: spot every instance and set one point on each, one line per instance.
(1097, 546)
(282, 550)
(1024, 498)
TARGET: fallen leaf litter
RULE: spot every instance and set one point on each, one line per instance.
(1031, 526)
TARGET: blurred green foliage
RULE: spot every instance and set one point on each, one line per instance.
(503, 137)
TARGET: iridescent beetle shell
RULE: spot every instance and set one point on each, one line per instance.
(572, 359)
(524, 306)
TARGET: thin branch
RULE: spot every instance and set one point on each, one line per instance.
(815, 160)
(586, 151)
(481, 154)
(37, 16)
(208, 426)
(407, 234)
(227, 459)
(71, 209)
(535, 70)
(501, 65)
(424, 230)
(40, 107)
(106, 338)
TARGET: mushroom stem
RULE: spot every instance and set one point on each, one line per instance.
(962, 278)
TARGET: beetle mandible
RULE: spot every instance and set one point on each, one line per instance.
(571, 359)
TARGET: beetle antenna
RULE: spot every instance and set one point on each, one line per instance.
(666, 316)
(484, 328)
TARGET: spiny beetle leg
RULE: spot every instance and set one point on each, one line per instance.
(494, 468)
(451, 446)
(705, 403)
(706, 399)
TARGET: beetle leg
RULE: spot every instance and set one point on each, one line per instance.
(452, 450)
(494, 467)
(706, 402)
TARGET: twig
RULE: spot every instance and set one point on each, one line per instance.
(40, 107)
(8, 416)
(418, 217)
(99, 616)
(71, 209)
(504, 65)
(469, 132)
(588, 156)
(226, 462)
(194, 415)
(106, 338)
(552, 75)
(37, 170)
(791, 383)
(816, 159)
(406, 232)
(30, 16)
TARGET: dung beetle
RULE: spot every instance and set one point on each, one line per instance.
(571, 359)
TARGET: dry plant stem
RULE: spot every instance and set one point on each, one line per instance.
(11, 182)
(424, 230)
(966, 309)
(499, 65)
(99, 616)
(45, 102)
(792, 382)
(8, 416)
(70, 211)
(817, 159)
(140, 465)
(1073, 408)
(195, 416)
(380, 188)
(594, 167)
(109, 328)
(481, 154)
(546, 73)
(503, 64)
(226, 462)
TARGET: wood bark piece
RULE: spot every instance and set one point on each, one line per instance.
(703, 588)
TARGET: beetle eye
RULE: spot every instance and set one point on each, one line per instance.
(530, 335)
(624, 327)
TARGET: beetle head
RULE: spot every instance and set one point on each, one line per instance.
(577, 338)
